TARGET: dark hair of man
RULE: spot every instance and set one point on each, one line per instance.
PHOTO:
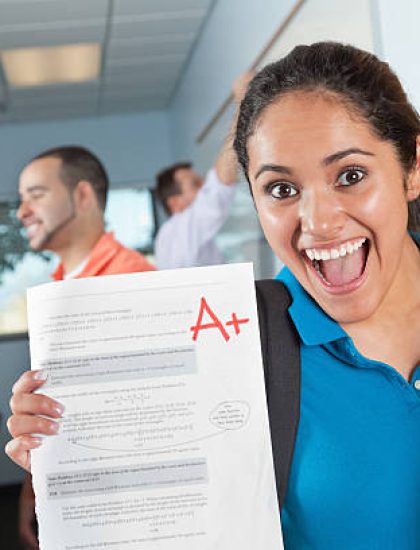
(167, 185)
(77, 164)
(363, 83)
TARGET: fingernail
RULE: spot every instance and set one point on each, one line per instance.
(59, 409)
(53, 428)
(36, 441)
(40, 375)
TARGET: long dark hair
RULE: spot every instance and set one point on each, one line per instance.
(364, 83)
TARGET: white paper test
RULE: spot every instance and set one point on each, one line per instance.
(164, 443)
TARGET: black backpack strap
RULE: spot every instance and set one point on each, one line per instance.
(281, 356)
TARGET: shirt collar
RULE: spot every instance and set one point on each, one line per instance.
(101, 254)
(314, 326)
(76, 271)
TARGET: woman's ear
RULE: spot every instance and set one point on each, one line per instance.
(413, 180)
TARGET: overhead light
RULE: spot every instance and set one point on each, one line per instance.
(52, 64)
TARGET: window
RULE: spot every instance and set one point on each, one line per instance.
(129, 214)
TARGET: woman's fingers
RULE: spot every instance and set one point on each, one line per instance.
(18, 450)
(32, 403)
(30, 381)
(32, 414)
(27, 424)
(24, 401)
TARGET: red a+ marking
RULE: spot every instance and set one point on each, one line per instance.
(236, 322)
(216, 323)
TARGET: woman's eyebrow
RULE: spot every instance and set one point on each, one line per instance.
(273, 168)
(346, 152)
(330, 159)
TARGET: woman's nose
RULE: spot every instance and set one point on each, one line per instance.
(321, 214)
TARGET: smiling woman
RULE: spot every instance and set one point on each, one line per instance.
(331, 149)
(323, 182)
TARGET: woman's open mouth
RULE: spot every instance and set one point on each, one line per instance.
(340, 268)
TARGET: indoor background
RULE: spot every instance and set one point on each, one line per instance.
(151, 86)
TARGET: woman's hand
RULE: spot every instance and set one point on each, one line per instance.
(31, 414)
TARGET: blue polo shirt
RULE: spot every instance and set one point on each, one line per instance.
(355, 477)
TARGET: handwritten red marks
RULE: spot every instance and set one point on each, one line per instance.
(216, 323)
(235, 322)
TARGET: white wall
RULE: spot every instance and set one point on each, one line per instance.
(320, 20)
(235, 33)
(398, 26)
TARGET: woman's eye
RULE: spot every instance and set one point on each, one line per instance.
(351, 176)
(282, 191)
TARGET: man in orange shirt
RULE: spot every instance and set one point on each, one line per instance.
(63, 195)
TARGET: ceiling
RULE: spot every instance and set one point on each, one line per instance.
(145, 47)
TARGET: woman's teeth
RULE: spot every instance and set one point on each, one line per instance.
(334, 253)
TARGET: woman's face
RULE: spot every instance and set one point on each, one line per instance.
(331, 200)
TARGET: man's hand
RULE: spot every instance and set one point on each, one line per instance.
(226, 164)
(27, 520)
(26, 407)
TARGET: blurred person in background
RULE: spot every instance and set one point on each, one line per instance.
(63, 194)
(197, 207)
